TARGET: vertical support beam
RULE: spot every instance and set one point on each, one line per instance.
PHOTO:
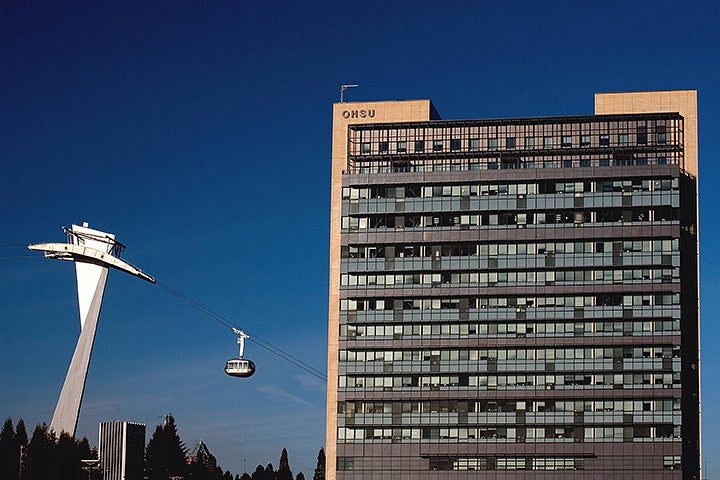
(67, 410)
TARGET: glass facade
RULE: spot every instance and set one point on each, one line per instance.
(520, 296)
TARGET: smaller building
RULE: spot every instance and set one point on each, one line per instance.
(121, 450)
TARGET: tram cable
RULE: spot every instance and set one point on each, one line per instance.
(215, 316)
(261, 342)
(16, 255)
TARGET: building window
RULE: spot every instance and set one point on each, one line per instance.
(623, 139)
(672, 462)
(345, 463)
(474, 144)
(437, 145)
(566, 141)
(442, 463)
(585, 140)
(548, 142)
(455, 144)
(419, 146)
(641, 135)
(383, 147)
(660, 135)
(401, 147)
(365, 147)
(492, 143)
(529, 142)
(510, 143)
(604, 139)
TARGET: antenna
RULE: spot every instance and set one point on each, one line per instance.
(343, 88)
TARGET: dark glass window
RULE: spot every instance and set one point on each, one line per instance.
(455, 144)
(419, 145)
(660, 135)
(642, 135)
(345, 463)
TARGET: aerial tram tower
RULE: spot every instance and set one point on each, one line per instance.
(94, 253)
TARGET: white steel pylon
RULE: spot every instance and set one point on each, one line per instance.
(93, 252)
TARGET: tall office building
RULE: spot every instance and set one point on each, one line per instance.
(515, 298)
(121, 450)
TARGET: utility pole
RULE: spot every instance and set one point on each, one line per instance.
(22, 461)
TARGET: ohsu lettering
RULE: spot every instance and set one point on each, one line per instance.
(359, 113)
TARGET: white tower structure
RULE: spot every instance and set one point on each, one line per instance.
(93, 252)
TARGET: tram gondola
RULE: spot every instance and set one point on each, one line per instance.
(240, 367)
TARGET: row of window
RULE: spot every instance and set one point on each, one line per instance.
(621, 139)
(515, 329)
(522, 128)
(570, 353)
(371, 165)
(520, 435)
(504, 382)
(510, 406)
(513, 278)
(460, 249)
(669, 462)
(505, 463)
(443, 303)
(492, 189)
(520, 219)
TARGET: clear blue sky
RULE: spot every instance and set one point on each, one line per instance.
(199, 133)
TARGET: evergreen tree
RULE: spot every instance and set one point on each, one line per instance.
(165, 453)
(284, 472)
(245, 476)
(65, 457)
(300, 476)
(39, 461)
(9, 452)
(270, 472)
(320, 468)
(259, 473)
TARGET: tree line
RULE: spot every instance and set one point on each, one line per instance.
(46, 456)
